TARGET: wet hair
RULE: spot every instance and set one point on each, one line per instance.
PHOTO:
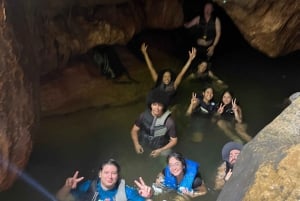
(224, 92)
(207, 87)
(113, 162)
(178, 156)
(213, 15)
(161, 74)
(156, 95)
(203, 91)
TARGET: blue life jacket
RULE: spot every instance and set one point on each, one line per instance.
(93, 189)
(187, 180)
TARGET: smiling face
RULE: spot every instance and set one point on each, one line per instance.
(109, 176)
(233, 154)
(166, 79)
(176, 167)
(157, 109)
(208, 94)
(227, 98)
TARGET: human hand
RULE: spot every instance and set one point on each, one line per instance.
(155, 153)
(192, 53)
(138, 149)
(221, 108)
(185, 191)
(234, 105)
(210, 50)
(144, 190)
(72, 182)
(144, 48)
(194, 99)
(228, 175)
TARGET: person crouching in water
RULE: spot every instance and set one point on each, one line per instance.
(230, 153)
(180, 175)
(155, 128)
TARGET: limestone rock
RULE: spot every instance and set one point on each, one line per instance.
(18, 99)
(268, 166)
(74, 29)
(270, 26)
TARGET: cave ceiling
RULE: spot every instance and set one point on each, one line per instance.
(70, 27)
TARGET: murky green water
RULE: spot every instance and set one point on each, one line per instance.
(81, 140)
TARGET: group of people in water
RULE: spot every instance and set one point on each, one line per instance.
(154, 130)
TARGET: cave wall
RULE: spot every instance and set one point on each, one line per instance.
(270, 26)
(69, 29)
(268, 166)
(19, 97)
(39, 36)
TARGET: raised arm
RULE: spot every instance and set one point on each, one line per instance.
(149, 62)
(193, 22)
(192, 55)
(193, 104)
(237, 111)
(71, 183)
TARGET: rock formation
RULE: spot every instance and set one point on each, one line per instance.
(19, 101)
(268, 166)
(40, 36)
(270, 26)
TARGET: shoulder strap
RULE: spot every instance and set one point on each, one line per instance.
(121, 194)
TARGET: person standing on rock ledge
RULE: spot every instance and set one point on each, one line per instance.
(155, 129)
(208, 31)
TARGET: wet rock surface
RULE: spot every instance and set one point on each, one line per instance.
(268, 166)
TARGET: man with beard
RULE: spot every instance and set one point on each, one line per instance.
(230, 153)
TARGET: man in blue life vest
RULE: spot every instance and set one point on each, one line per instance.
(154, 128)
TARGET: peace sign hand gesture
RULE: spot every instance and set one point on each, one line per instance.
(72, 182)
(144, 190)
(221, 108)
(194, 99)
(234, 105)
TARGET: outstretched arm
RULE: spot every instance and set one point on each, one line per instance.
(193, 22)
(192, 55)
(149, 62)
(71, 183)
(237, 111)
(172, 143)
(214, 77)
(193, 104)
